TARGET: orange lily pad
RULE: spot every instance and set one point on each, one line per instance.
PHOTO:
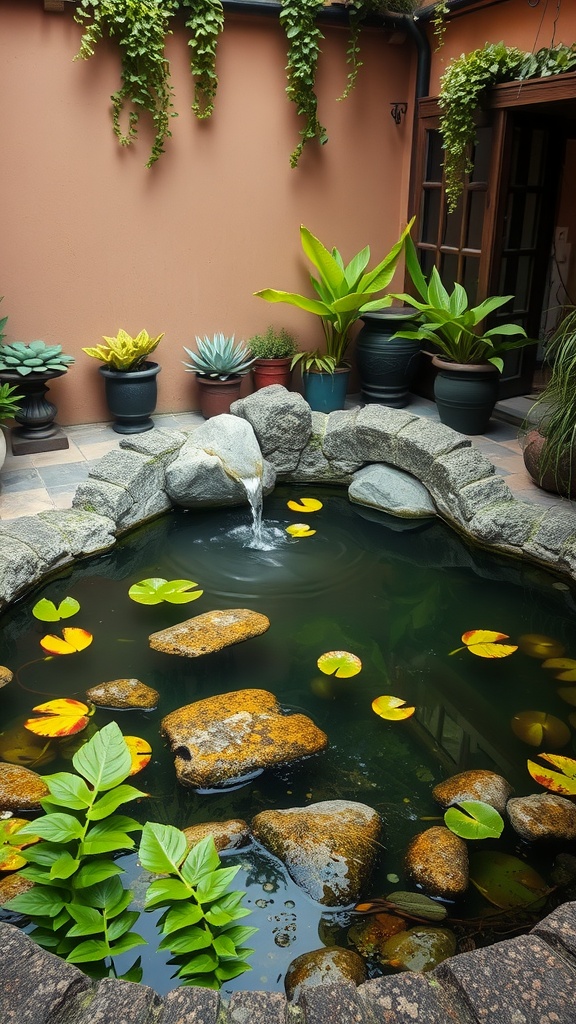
(10, 859)
(140, 752)
(562, 781)
(341, 664)
(75, 639)
(537, 727)
(536, 645)
(485, 643)
(305, 505)
(62, 717)
(393, 709)
(300, 530)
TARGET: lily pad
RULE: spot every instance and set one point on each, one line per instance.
(418, 905)
(506, 881)
(393, 709)
(47, 611)
(485, 643)
(140, 753)
(62, 717)
(537, 727)
(536, 645)
(474, 819)
(156, 590)
(10, 859)
(341, 664)
(305, 505)
(300, 530)
(75, 640)
(562, 781)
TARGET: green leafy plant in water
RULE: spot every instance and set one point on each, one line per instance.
(47, 611)
(140, 28)
(474, 819)
(199, 922)
(79, 904)
(205, 21)
(298, 18)
(156, 590)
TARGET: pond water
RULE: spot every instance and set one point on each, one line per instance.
(397, 595)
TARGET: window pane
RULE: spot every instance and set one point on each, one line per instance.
(426, 257)
(537, 160)
(470, 277)
(453, 226)
(434, 157)
(431, 215)
(475, 220)
(482, 154)
(449, 270)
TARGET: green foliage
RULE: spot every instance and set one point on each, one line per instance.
(205, 21)
(36, 357)
(9, 399)
(199, 922)
(273, 344)
(474, 819)
(47, 611)
(298, 18)
(557, 403)
(3, 322)
(219, 356)
(447, 321)
(507, 882)
(156, 590)
(78, 904)
(140, 28)
(345, 292)
(124, 352)
(417, 905)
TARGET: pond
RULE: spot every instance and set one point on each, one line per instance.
(398, 595)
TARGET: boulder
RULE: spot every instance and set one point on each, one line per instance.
(324, 966)
(474, 785)
(437, 860)
(329, 848)
(212, 631)
(543, 816)
(124, 693)
(233, 735)
(391, 490)
(6, 676)
(227, 835)
(282, 422)
(20, 788)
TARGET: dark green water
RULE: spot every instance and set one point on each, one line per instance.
(399, 598)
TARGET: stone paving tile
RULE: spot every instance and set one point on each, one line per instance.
(20, 480)
(64, 477)
(93, 450)
(58, 458)
(17, 504)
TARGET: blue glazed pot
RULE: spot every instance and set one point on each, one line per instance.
(325, 392)
(465, 394)
(131, 397)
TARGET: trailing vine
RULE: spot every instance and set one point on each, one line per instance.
(298, 18)
(140, 27)
(462, 88)
(206, 22)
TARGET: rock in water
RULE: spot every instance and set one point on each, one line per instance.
(438, 861)
(329, 848)
(124, 693)
(232, 735)
(209, 632)
(6, 675)
(332, 966)
(478, 784)
(20, 788)
(543, 816)
(227, 835)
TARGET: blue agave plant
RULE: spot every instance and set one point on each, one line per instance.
(219, 356)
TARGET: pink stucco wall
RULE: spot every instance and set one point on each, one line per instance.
(93, 241)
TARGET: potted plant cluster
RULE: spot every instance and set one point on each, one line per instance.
(9, 406)
(549, 449)
(30, 366)
(468, 358)
(345, 292)
(219, 365)
(130, 379)
(273, 352)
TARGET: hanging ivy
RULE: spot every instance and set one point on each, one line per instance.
(298, 18)
(206, 22)
(140, 27)
(462, 89)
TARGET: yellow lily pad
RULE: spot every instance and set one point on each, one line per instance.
(305, 505)
(300, 530)
(342, 664)
(537, 727)
(536, 645)
(140, 752)
(393, 709)
(485, 643)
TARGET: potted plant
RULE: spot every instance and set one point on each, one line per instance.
(9, 406)
(273, 352)
(344, 292)
(30, 367)
(219, 365)
(549, 449)
(468, 358)
(130, 379)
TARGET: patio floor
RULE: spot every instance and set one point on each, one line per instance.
(36, 483)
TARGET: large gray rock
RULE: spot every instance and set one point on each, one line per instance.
(377, 429)
(141, 476)
(315, 464)
(329, 848)
(47, 543)
(340, 441)
(543, 816)
(36, 986)
(85, 533)
(391, 490)
(20, 567)
(233, 735)
(157, 443)
(509, 525)
(422, 441)
(282, 422)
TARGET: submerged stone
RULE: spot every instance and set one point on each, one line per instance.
(20, 788)
(209, 632)
(227, 835)
(393, 491)
(332, 966)
(543, 816)
(20, 746)
(329, 848)
(474, 785)
(371, 933)
(438, 861)
(6, 676)
(232, 735)
(124, 693)
(419, 949)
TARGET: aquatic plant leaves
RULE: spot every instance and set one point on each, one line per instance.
(537, 727)
(341, 664)
(61, 717)
(140, 753)
(485, 643)
(567, 693)
(47, 611)
(417, 905)
(559, 663)
(19, 746)
(305, 505)
(75, 639)
(474, 819)
(506, 881)
(562, 781)
(156, 589)
(10, 859)
(393, 709)
(300, 530)
(536, 645)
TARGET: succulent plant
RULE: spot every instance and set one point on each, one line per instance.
(8, 401)
(37, 357)
(124, 352)
(219, 356)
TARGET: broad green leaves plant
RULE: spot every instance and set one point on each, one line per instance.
(199, 922)
(155, 590)
(474, 819)
(47, 611)
(78, 904)
(506, 881)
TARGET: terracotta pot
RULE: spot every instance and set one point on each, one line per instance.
(561, 479)
(272, 371)
(216, 396)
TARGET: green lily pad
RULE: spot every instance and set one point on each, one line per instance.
(156, 590)
(342, 664)
(507, 882)
(47, 611)
(474, 819)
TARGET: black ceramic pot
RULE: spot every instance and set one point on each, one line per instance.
(465, 394)
(131, 397)
(387, 365)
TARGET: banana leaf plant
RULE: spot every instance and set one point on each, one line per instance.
(344, 291)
